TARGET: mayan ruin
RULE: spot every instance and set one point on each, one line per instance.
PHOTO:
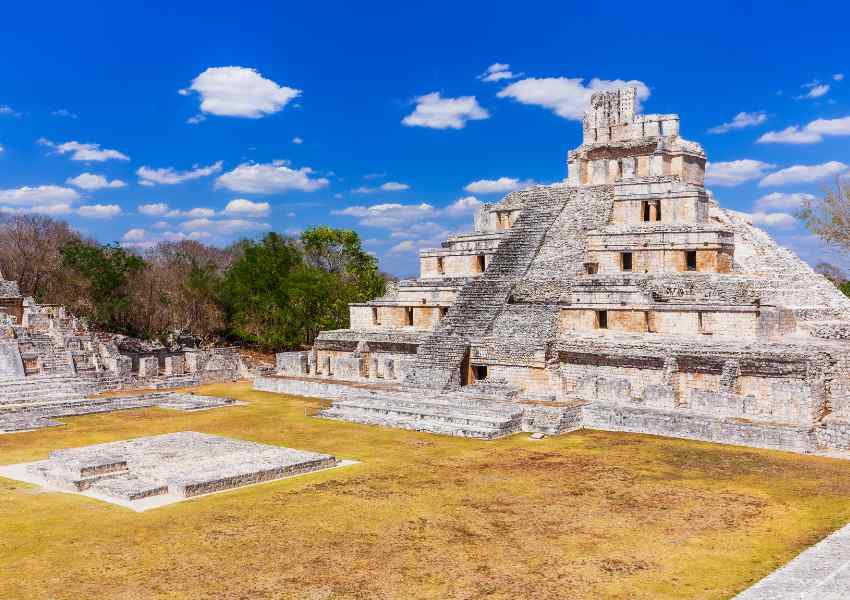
(624, 299)
(52, 365)
(425, 301)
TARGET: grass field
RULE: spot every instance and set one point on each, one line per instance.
(586, 515)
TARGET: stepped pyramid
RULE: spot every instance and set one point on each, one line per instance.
(624, 298)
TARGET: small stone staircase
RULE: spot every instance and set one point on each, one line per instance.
(463, 415)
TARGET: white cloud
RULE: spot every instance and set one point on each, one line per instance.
(99, 211)
(277, 177)
(811, 133)
(297, 140)
(778, 220)
(816, 90)
(2, 149)
(804, 173)
(735, 172)
(223, 225)
(43, 195)
(5, 109)
(782, 201)
(64, 112)
(462, 207)
(134, 235)
(84, 152)
(740, 121)
(390, 186)
(169, 176)
(153, 210)
(497, 72)
(243, 207)
(790, 135)
(390, 216)
(496, 186)
(239, 92)
(90, 181)
(47, 209)
(436, 112)
(567, 98)
(838, 77)
(195, 119)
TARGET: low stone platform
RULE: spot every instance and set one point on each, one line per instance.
(26, 417)
(149, 472)
(820, 573)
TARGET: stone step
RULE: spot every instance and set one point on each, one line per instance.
(494, 416)
(426, 425)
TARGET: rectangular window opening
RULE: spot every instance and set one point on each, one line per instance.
(375, 319)
(658, 210)
(441, 269)
(691, 260)
(444, 310)
(649, 319)
(602, 319)
(626, 261)
(481, 263)
(479, 372)
(409, 315)
(644, 209)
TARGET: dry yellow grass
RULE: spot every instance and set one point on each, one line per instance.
(587, 515)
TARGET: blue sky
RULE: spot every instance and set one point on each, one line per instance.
(146, 121)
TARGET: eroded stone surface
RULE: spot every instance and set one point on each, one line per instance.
(170, 467)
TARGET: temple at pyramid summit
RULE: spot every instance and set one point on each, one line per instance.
(623, 299)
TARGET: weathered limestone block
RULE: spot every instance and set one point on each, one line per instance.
(292, 363)
(194, 361)
(148, 366)
(373, 367)
(615, 391)
(174, 365)
(349, 368)
(389, 368)
(659, 396)
(403, 366)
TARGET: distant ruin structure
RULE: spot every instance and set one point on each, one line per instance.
(51, 363)
(623, 299)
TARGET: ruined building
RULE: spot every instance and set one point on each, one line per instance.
(51, 364)
(623, 299)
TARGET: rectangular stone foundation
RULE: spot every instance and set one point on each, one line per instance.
(152, 471)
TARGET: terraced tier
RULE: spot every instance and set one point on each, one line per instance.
(457, 416)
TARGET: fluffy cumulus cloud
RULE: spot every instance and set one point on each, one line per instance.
(134, 235)
(838, 77)
(735, 172)
(741, 121)
(90, 181)
(502, 185)
(390, 215)
(161, 209)
(7, 110)
(462, 207)
(812, 133)
(247, 208)
(566, 97)
(239, 92)
(99, 211)
(782, 201)
(84, 152)
(297, 140)
(777, 220)
(224, 226)
(390, 186)
(804, 174)
(43, 195)
(169, 176)
(497, 72)
(270, 178)
(435, 112)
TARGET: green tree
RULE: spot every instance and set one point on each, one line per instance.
(104, 274)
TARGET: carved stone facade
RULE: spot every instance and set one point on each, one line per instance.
(624, 299)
